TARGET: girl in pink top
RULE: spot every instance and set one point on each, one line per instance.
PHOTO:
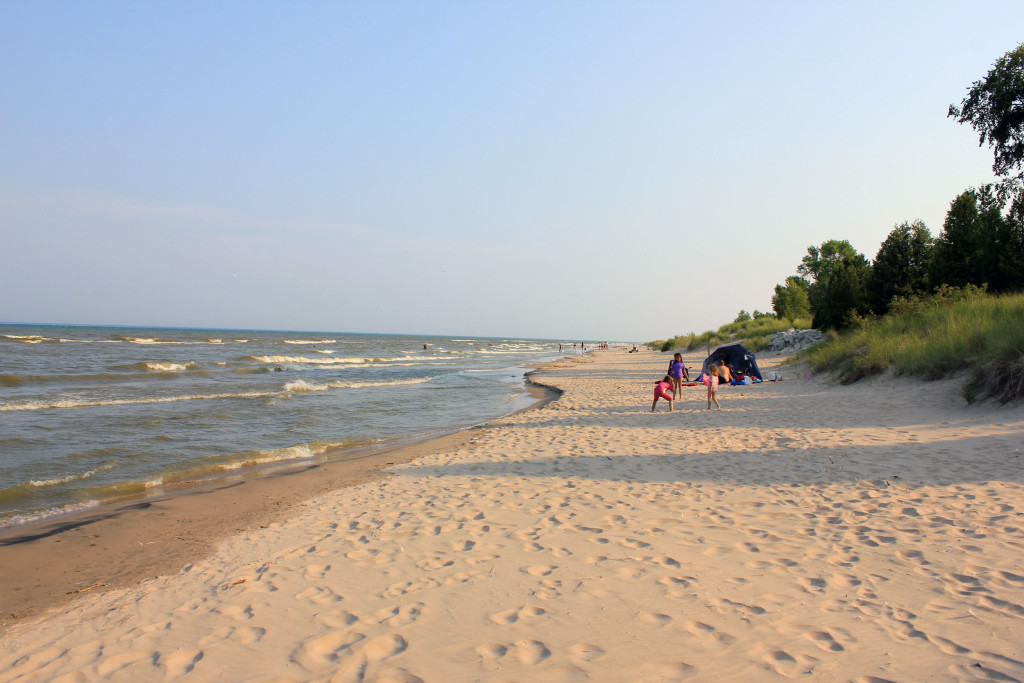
(663, 389)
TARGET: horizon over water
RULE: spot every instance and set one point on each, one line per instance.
(94, 413)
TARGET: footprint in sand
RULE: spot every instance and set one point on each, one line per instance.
(399, 616)
(585, 652)
(824, 640)
(385, 646)
(405, 587)
(319, 595)
(787, 665)
(317, 571)
(324, 650)
(238, 612)
(813, 585)
(539, 569)
(726, 606)
(707, 634)
(492, 650)
(666, 671)
(115, 663)
(337, 620)
(531, 652)
(181, 662)
(511, 616)
(655, 619)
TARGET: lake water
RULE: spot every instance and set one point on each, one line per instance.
(90, 414)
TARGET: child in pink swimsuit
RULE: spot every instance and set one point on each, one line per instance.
(663, 389)
(713, 371)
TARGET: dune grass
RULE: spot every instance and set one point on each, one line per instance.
(753, 334)
(980, 334)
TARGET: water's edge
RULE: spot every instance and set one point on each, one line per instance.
(99, 549)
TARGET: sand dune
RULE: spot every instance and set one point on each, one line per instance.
(867, 533)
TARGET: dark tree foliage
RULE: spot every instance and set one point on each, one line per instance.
(742, 316)
(790, 301)
(838, 291)
(979, 245)
(901, 265)
(994, 106)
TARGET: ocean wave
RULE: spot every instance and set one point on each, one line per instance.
(28, 338)
(381, 383)
(310, 341)
(28, 518)
(302, 360)
(303, 451)
(299, 386)
(152, 341)
(168, 367)
(350, 360)
(57, 481)
(82, 403)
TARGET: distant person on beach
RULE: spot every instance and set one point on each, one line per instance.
(677, 371)
(713, 371)
(661, 390)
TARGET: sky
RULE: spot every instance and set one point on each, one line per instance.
(620, 171)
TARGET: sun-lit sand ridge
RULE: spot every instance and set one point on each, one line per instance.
(872, 532)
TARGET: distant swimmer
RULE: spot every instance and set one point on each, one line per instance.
(424, 346)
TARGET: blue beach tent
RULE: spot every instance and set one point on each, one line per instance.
(737, 358)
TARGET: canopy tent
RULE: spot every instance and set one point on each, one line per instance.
(739, 360)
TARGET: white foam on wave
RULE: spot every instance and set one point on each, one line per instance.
(263, 457)
(310, 341)
(57, 481)
(151, 341)
(169, 367)
(17, 520)
(300, 360)
(381, 383)
(301, 385)
(81, 403)
(28, 338)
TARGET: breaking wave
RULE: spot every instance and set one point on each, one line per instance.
(168, 367)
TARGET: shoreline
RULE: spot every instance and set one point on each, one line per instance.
(869, 532)
(121, 543)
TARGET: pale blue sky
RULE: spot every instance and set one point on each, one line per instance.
(572, 170)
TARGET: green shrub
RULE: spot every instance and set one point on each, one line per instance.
(935, 337)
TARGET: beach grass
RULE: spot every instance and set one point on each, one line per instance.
(976, 333)
(753, 334)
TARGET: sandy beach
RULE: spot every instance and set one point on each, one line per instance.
(872, 532)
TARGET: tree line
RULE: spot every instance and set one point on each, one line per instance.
(981, 243)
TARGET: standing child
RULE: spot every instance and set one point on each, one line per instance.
(713, 371)
(661, 390)
(677, 371)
